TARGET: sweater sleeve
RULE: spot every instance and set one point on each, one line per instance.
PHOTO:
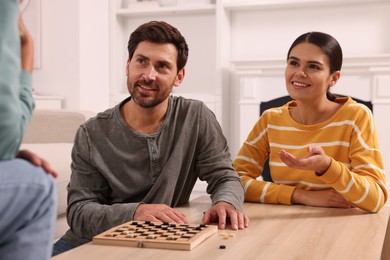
(363, 181)
(89, 212)
(214, 164)
(249, 165)
(16, 102)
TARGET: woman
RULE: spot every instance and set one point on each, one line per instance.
(28, 197)
(323, 150)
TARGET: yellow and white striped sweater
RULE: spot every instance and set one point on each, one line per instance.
(348, 137)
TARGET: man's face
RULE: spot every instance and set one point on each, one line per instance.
(152, 73)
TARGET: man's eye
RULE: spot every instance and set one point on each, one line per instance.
(163, 66)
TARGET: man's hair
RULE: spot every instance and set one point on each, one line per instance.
(160, 32)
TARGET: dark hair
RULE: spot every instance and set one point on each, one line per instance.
(328, 45)
(160, 32)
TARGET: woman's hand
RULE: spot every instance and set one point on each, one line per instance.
(27, 48)
(37, 161)
(320, 198)
(316, 160)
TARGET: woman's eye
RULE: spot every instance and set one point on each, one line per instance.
(312, 66)
(294, 63)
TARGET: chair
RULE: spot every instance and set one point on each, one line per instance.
(280, 101)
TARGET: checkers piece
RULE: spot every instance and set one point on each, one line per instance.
(156, 235)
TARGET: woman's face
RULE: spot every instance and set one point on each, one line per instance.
(307, 73)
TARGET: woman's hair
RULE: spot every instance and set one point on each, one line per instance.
(328, 45)
(160, 32)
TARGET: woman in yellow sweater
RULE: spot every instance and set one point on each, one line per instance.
(322, 150)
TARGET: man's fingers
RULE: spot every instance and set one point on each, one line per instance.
(221, 215)
(161, 213)
(152, 218)
(175, 216)
(234, 218)
(246, 221)
(242, 221)
(208, 217)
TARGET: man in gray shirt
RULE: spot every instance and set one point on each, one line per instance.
(140, 159)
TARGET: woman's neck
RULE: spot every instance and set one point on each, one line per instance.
(311, 113)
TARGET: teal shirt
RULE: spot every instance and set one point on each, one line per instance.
(16, 102)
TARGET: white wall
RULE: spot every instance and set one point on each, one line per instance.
(59, 72)
(94, 55)
(362, 30)
(74, 53)
(75, 50)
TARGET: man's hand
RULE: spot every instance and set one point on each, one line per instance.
(320, 198)
(37, 161)
(159, 213)
(221, 212)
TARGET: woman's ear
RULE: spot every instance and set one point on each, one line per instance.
(334, 78)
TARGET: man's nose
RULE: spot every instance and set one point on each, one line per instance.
(151, 73)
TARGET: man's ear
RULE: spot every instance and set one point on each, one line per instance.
(179, 77)
(127, 67)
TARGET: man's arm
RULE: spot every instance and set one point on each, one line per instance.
(90, 210)
(215, 166)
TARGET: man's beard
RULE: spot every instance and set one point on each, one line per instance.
(144, 100)
(145, 103)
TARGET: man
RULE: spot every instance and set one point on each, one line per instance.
(27, 193)
(140, 159)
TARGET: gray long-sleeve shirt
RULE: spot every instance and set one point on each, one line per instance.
(115, 168)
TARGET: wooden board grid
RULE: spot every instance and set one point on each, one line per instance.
(156, 235)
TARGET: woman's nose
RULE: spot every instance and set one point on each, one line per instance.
(301, 73)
